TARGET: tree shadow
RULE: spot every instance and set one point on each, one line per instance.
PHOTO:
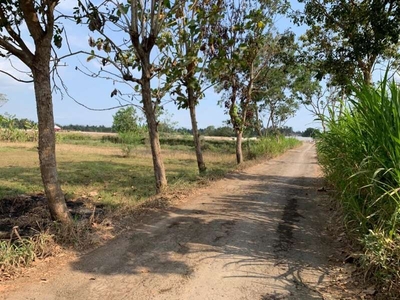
(241, 231)
(131, 180)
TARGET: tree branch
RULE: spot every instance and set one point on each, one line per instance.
(24, 53)
(15, 78)
(31, 19)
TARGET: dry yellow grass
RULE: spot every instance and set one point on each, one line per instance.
(102, 170)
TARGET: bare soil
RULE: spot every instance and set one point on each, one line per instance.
(258, 234)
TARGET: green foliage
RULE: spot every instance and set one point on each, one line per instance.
(226, 131)
(360, 154)
(188, 52)
(23, 251)
(129, 132)
(310, 132)
(129, 140)
(125, 120)
(382, 258)
(10, 129)
(346, 38)
(17, 254)
(269, 146)
(166, 123)
(87, 128)
(242, 42)
(68, 137)
(278, 83)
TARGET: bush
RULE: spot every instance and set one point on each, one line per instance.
(111, 139)
(62, 137)
(269, 146)
(360, 154)
(129, 140)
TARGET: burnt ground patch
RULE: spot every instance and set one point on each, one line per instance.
(30, 213)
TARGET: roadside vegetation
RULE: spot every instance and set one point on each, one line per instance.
(262, 73)
(360, 154)
(101, 185)
(359, 144)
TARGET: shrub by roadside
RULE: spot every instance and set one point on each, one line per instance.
(269, 146)
(360, 154)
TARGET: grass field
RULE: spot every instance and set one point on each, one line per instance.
(92, 165)
(87, 170)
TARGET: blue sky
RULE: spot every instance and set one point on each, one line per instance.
(95, 93)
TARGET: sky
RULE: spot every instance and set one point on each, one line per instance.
(95, 92)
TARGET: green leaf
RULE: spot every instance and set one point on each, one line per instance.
(167, 4)
(57, 40)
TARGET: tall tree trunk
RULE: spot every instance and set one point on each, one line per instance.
(258, 123)
(366, 68)
(239, 153)
(158, 164)
(47, 145)
(196, 136)
(367, 76)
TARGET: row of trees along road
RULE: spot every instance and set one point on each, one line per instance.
(186, 47)
(180, 48)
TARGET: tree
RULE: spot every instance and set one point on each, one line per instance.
(346, 39)
(275, 86)
(310, 132)
(38, 17)
(166, 123)
(239, 42)
(321, 102)
(188, 50)
(125, 120)
(140, 26)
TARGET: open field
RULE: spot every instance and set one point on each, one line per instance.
(93, 165)
(102, 171)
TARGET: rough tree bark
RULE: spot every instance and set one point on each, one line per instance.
(196, 137)
(258, 123)
(158, 164)
(47, 145)
(143, 43)
(239, 153)
(39, 63)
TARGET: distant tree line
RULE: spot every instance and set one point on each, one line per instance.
(227, 131)
(25, 123)
(87, 128)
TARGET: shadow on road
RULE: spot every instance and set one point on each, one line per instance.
(277, 223)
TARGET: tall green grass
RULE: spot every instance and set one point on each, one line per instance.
(360, 154)
(269, 146)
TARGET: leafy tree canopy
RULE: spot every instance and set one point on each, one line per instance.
(346, 39)
(310, 132)
(125, 120)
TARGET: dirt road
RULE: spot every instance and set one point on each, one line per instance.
(259, 234)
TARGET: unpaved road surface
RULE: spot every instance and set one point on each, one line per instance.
(258, 234)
